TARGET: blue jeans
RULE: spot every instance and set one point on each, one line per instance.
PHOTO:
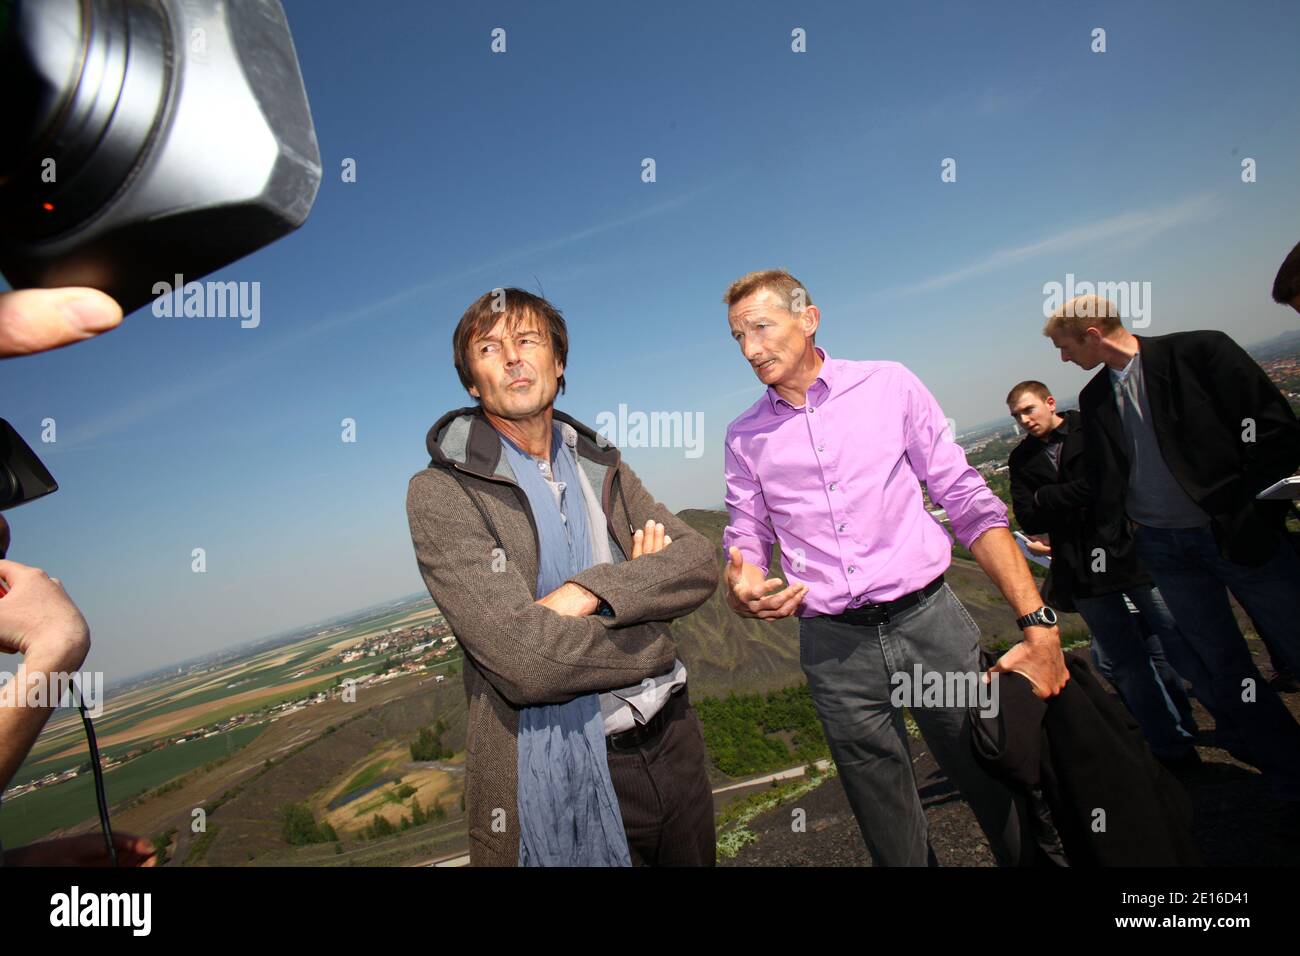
(1134, 661)
(849, 669)
(1194, 580)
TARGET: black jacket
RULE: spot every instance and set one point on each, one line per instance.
(1093, 793)
(1054, 500)
(1204, 390)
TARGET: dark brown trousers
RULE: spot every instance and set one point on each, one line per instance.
(664, 792)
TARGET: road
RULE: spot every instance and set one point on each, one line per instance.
(462, 859)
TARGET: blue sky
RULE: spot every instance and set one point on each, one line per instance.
(477, 170)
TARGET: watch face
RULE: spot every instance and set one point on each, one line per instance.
(1048, 616)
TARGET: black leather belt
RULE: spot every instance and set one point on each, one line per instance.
(875, 615)
(644, 733)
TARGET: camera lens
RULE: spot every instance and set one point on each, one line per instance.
(8, 487)
(85, 88)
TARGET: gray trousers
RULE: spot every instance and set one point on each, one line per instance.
(848, 669)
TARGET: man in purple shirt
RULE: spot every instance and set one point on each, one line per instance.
(829, 462)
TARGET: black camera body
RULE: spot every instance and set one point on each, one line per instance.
(148, 139)
(23, 477)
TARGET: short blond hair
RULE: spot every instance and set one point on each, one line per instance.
(1081, 313)
(774, 280)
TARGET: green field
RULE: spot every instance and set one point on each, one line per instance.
(265, 679)
(35, 766)
(33, 815)
(260, 676)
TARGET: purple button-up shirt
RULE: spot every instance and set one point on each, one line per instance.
(837, 482)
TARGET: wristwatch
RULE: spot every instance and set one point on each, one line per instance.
(1043, 617)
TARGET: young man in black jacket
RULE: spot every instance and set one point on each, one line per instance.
(1050, 495)
(1181, 432)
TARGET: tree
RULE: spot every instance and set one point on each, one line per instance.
(428, 745)
(298, 826)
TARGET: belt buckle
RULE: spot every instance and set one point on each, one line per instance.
(612, 741)
(635, 735)
(872, 615)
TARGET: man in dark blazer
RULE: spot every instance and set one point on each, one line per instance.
(1049, 492)
(1181, 432)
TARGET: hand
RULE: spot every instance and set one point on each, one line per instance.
(38, 616)
(87, 849)
(750, 596)
(1037, 658)
(570, 600)
(1040, 544)
(650, 540)
(36, 320)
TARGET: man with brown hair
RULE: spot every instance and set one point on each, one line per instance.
(829, 463)
(1182, 431)
(1049, 492)
(557, 572)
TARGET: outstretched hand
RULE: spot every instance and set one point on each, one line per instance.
(749, 595)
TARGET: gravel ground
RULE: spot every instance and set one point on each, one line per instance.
(1237, 821)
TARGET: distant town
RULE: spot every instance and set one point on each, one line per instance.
(403, 650)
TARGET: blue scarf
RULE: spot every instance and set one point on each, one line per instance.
(568, 811)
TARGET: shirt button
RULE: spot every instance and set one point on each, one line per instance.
(842, 527)
(852, 569)
(832, 486)
(821, 447)
(811, 410)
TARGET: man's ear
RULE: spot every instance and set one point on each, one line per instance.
(559, 368)
(473, 392)
(812, 317)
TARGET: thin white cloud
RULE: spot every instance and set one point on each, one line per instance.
(155, 402)
(1131, 227)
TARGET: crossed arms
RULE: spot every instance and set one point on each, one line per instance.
(534, 653)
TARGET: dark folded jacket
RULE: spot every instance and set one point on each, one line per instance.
(1092, 792)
